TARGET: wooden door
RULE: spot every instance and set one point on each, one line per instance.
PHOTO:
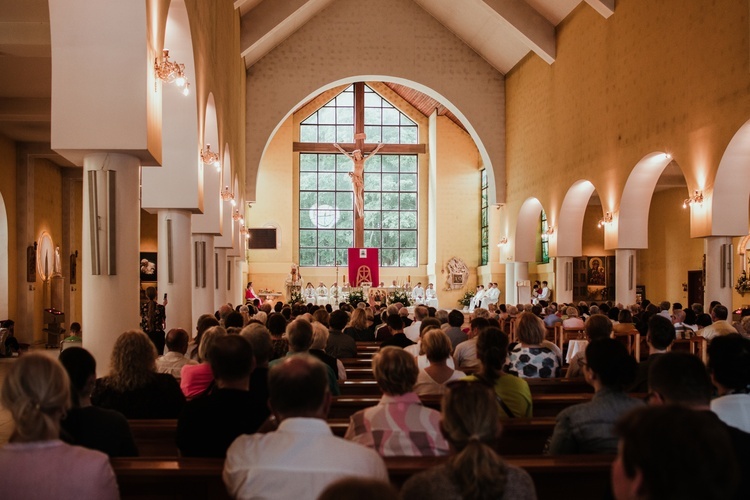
(695, 287)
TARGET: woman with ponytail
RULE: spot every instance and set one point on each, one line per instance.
(470, 424)
(36, 391)
(512, 393)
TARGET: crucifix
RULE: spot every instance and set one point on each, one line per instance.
(359, 152)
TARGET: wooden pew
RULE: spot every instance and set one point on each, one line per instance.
(573, 476)
(359, 388)
(155, 438)
(170, 478)
(520, 436)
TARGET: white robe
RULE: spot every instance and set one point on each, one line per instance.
(322, 293)
(430, 298)
(477, 300)
(417, 295)
(309, 295)
(490, 297)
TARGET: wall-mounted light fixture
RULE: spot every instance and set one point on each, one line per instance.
(210, 157)
(503, 241)
(607, 219)
(696, 198)
(227, 195)
(171, 72)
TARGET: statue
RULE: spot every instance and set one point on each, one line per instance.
(357, 175)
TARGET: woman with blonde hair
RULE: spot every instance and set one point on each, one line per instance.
(432, 379)
(358, 327)
(133, 387)
(530, 357)
(573, 321)
(474, 471)
(36, 391)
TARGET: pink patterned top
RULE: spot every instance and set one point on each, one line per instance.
(399, 426)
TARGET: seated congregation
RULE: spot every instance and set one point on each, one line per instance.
(307, 402)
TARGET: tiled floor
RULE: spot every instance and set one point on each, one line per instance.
(6, 422)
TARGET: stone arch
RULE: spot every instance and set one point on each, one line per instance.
(569, 231)
(484, 141)
(4, 247)
(635, 203)
(731, 190)
(527, 227)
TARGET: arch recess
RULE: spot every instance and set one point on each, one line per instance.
(731, 190)
(527, 228)
(179, 130)
(632, 219)
(485, 150)
(210, 221)
(569, 230)
(4, 284)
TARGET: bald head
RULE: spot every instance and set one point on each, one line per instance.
(177, 340)
(298, 387)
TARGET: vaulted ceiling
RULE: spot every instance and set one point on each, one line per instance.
(501, 31)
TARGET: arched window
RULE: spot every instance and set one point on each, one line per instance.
(327, 222)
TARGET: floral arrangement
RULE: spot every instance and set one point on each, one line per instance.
(399, 296)
(466, 299)
(295, 298)
(355, 297)
(743, 284)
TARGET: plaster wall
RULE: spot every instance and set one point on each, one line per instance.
(671, 253)
(385, 40)
(656, 76)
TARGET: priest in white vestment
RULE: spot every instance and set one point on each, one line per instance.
(417, 294)
(430, 296)
(476, 301)
(322, 293)
(491, 296)
(333, 294)
(309, 294)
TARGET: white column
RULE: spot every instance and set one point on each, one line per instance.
(625, 270)
(523, 295)
(718, 263)
(510, 283)
(174, 267)
(220, 265)
(563, 291)
(111, 297)
(203, 266)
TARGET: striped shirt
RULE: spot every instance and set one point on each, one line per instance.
(399, 426)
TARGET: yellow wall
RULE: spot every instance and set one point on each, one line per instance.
(47, 209)
(457, 205)
(671, 252)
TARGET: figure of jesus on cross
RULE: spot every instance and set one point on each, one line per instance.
(357, 173)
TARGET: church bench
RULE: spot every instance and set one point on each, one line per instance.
(572, 476)
(358, 373)
(356, 362)
(155, 438)
(359, 388)
(369, 387)
(520, 436)
(170, 478)
(544, 405)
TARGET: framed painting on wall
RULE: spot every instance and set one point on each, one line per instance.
(148, 266)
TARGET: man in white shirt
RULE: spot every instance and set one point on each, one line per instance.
(412, 331)
(173, 361)
(465, 355)
(417, 294)
(302, 457)
(476, 301)
(720, 325)
(545, 293)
